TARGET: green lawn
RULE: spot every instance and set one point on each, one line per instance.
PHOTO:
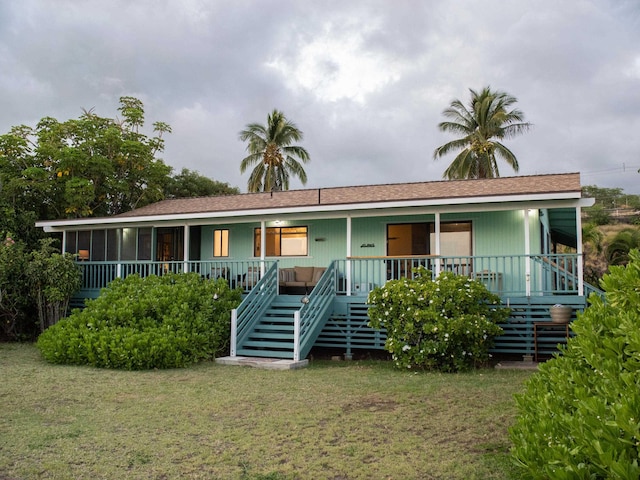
(333, 420)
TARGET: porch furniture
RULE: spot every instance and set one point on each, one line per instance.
(299, 280)
(546, 337)
(249, 279)
(493, 280)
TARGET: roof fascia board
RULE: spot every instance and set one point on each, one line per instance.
(360, 210)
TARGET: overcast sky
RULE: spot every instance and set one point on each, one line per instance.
(366, 81)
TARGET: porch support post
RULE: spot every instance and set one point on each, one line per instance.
(436, 270)
(64, 241)
(348, 262)
(296, 336)
(185, 249)
(527, 252)
(234, 332)
(263, 245)
(580, 258)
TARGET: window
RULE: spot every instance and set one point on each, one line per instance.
(455, 239)
(282, 242)
(407, 239)
(221, 243)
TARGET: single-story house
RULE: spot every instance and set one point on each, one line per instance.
(306, 259)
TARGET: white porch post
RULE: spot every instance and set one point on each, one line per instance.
(185, 249)
(234, 332)
(527, 252)
(119, 265)
(436, 270)
(348, 262)
(580, 259)
(263, 245)
(64, 241)
(296, 336)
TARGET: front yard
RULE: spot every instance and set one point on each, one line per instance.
(333, 420)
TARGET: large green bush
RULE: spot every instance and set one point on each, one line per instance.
(142, 323)
(446, 324)
(579, 416)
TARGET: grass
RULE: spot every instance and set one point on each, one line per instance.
(333, 420)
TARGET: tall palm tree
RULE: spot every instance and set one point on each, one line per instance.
(271, 152)
(483, 124)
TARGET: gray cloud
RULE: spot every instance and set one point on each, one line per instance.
(365, 81)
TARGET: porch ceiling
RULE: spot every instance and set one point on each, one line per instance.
(562, 223)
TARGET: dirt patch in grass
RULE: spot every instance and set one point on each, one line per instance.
(334, 420)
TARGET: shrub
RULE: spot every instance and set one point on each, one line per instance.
(53, 278)
(446, 324)
(579, 416)
(15, 304)
(143, 323)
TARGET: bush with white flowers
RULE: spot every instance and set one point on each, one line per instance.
(446, 324)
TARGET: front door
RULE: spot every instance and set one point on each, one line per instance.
(169, 244)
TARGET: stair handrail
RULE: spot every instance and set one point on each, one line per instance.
(310, 319)
(552, 267)
(252, 307)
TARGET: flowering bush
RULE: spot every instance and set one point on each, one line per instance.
(446, 324)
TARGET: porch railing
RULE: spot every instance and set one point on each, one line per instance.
(506, 275)
(243, 274)
(253, 306)
(515, 275)
(310, 319)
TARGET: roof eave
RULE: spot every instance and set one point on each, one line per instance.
(442, 204)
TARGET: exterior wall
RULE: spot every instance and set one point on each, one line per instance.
(327, 242)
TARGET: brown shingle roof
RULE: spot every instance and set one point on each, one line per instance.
(524, 185)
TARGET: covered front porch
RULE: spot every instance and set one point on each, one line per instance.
(333, 314)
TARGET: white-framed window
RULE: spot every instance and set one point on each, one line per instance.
(282, 242)
(221, 242)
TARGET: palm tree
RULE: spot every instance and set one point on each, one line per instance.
(271, 152)
(486, 121)
(620, 246)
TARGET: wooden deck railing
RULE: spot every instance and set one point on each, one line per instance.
(506, 275)
(516, 275)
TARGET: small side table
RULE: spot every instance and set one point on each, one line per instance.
(546, 336)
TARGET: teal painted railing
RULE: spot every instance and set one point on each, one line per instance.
(253, 306)
(243, 274)
(311, 318)
(503, 274)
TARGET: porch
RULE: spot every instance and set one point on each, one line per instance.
(334, 313)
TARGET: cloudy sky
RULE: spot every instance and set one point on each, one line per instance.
(366, 81)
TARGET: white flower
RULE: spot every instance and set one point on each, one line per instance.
(405, 348)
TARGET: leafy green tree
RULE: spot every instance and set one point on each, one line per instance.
(598, 215)
(83, 167)
(15, 304)
(606, 197)
(53, 279)
(191, 184)
(482, 125)
(270, 150)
